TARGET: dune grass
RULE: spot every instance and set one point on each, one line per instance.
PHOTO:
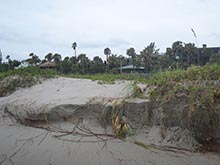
(205, 73)
(108, 78)
(22, 78)
(197, 87)
(28, 72)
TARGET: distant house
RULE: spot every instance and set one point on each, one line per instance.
(48, 65)
(131, 68)
(206, 52)
(212, 50)
(200, 57)
(23, 64)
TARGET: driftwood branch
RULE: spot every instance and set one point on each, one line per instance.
(16, 152)
(4, 157)
(79, 130)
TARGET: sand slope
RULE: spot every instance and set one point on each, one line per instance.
(51, 93)
(61, 90)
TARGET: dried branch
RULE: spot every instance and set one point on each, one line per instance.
(4, 158)
(162, 148)
(15, 153)
(43, 138)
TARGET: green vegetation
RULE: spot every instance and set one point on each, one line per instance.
(149, 60)
(205, 73)
(27, 72)
(189, 97)
(108, 78)
(21, 78)
(198, 83)
(180, 55)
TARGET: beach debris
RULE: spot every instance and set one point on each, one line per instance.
(120, 126)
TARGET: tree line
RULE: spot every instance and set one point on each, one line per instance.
(179, 55)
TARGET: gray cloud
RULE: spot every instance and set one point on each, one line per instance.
(215, 36)
(101, 45)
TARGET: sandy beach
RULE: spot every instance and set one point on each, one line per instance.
(21, 144)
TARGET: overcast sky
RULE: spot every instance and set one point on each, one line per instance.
(43, 26)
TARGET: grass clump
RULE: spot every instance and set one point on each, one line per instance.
(28, 72)
(200, 85)
(21, 78)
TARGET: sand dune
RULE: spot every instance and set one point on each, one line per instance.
(27, 145)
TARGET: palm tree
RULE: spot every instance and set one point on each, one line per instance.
(8, 57)
(147, 54)
(83, 63)
(132, 54)
(97, 65)
(74, 45)
(107, 52)
(57, 58)
(34, 59)
(49, 57)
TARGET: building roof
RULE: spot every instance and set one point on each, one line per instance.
(48, 65)
(131, 67)
(23, 64)
(212, 49)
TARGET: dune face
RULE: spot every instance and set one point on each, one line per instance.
(73, 121)
(58, 91)
(45, 97)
